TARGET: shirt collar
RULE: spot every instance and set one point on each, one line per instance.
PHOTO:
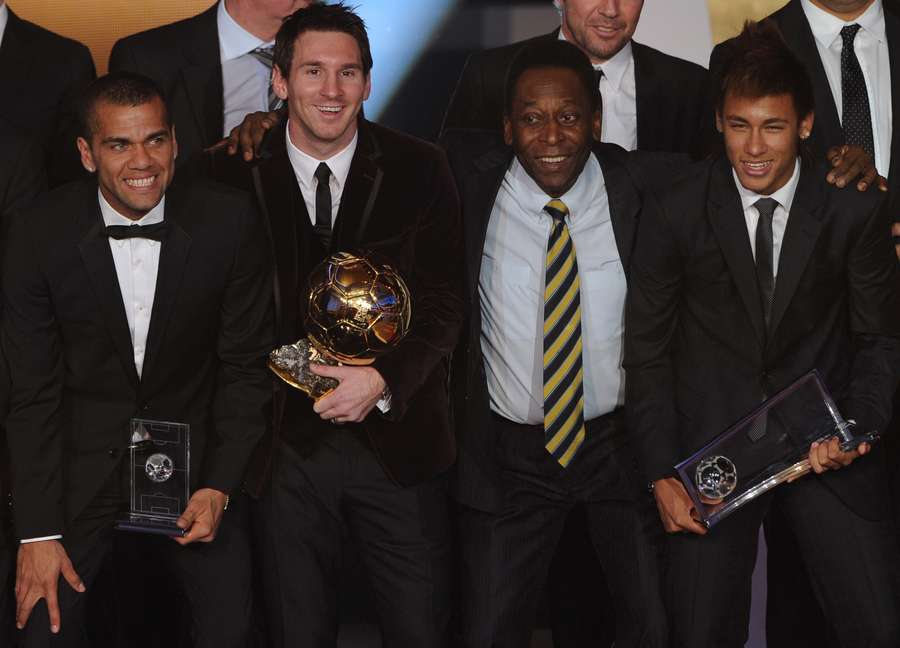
(305, 165)
(532, 199)
(4, 18)
(615, 68)
(784, 196)
(827, 28)
(234, 40)
(112, 217)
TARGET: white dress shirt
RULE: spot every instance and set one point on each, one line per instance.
(305, 166)
(245, 79)
(4, 18)
(511, 295)
(136, 261)
(619, 92)
(784, 197)
(871, 49)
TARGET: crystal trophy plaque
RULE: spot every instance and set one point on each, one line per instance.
(767, 447)
(160, 454)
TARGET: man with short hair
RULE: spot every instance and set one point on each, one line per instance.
(550, 216)
(368, 459)
(41, 74)
(651, 101)
(129, 296)
(748, 273)
(214, 67)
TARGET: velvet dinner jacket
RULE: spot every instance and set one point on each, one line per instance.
(827, 130)
(671, 95)
(67, 341)
(480, 160)
(400, 202)
(183, 58)
(41, 74)
(698, 353)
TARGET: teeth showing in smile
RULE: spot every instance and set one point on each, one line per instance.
(756, 166)
(553, 160)
(329, 109)
(140, 183)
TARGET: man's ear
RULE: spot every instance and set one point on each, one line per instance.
(507, 130)
(720, 125)
(279, 83)
(597, 124)
(174, 143)
(87, 157)
(806, 125)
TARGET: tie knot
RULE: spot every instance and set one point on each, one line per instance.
(848, 33)
(766, 207)
(323, 173)
(557, 209)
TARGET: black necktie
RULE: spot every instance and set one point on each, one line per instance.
(598, 74)
(765, 271)
(323, 204)
(155, 232)
(857, 118)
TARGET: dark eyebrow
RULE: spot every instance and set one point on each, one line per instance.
(160, 133)
(116, 140)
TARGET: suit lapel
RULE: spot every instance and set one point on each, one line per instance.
(803, 228)
(648, 103)
(624, 204)
(202, 77)
(101, 270)
(482, 186)
(726, 217)
(359, 195)
(173, 256)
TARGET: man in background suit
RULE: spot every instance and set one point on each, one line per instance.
(816, 31)
(214, 67)
(127, 297)
(41, 74)
(369, 458)
(748, 273)
(537, 379)
(651, 101)
(22, 179)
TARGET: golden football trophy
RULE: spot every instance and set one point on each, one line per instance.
(358, 309)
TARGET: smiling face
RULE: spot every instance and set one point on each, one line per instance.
(600, 28)
(551, 127)
(132, 150)
(324, 92)
(762, 139)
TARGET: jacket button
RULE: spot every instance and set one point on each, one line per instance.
(145, 406)
(113, 452)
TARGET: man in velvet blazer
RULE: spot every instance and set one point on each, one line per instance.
(368, 458)
(41, 74)
(99, 330)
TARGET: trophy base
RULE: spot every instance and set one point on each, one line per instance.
(291, 363)
(141, 524)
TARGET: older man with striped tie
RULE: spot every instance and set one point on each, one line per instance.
(550, 217)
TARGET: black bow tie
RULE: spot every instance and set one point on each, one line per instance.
(156, 231)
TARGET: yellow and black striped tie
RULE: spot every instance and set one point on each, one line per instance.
(563, 371)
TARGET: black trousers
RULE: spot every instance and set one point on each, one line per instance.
(853, 566)
(505, 556)
(214, 577)
(340, 490)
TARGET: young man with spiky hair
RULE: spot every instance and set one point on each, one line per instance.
(369, 459)
(748, 273)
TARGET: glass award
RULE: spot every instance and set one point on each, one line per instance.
(767, 447)
(160, 453)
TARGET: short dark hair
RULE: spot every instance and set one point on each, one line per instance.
(318, 16)
(758, 63)
(552, 54)
(119, 89)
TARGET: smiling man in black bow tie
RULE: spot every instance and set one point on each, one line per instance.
(127, 295)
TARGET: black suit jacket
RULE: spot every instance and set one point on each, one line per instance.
(41, 75)
(698, 355)
(670, 95)
(400, 202)
(827, 130)
(66, 337)
(183, 58)
(479, 160)
(22, 173)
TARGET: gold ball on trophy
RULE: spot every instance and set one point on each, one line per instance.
(359, 307)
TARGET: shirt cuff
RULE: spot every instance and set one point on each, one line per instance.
(30, 540)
